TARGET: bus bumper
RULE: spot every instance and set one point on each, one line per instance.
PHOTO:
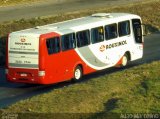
(30, 76)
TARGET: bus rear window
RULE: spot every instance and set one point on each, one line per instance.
(53, 45)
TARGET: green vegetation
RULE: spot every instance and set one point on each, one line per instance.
(149, 11)
(134, 90)
(17, 2)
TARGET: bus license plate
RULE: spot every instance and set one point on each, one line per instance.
(23, 74)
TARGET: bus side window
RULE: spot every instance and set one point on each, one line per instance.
(83, 38)
(68, 41)
(53, 45)
(111, 31)
(97, 34)
(124, 28)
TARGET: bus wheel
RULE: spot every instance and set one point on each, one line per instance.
(77, 73)
(124, 60)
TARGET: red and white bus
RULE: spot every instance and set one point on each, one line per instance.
(67, 50)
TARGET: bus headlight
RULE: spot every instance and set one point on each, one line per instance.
(41, 73)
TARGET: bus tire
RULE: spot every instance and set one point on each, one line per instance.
(77, 73)
(124, 60)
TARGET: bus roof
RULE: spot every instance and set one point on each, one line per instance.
(79, 24)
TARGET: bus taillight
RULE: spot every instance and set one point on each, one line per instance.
(41, 73)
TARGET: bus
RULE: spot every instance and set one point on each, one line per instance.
(70, 49)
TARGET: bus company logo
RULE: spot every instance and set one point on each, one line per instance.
(23, 40)
(102, 48)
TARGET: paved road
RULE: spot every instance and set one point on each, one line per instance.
(52, 8)
(10, 93)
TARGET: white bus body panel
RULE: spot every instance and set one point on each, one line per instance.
(23, 50)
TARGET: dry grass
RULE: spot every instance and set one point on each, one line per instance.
(16, 2)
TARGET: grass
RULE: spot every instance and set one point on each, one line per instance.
(149, 11)
(17, 2)
(134, 90)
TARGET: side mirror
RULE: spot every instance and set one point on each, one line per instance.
(144, 30)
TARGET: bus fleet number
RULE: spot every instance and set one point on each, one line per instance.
(22, 62)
